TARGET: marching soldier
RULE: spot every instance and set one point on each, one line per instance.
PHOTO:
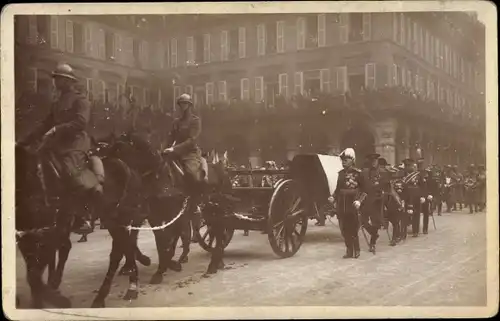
(413, 194)
(376, 181)
(426, 207)
(481, 187)
(393, 201)
(448, 188)
(65, 133)
(470, 186)
(458, 188)
(349, 196)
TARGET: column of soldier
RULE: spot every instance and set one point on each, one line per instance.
(370, 198)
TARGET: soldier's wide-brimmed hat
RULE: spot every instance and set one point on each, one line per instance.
(65, 71)
(409, 161)
(382, 162)
(372, 156)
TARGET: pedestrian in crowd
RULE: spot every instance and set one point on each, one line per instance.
(470, 188)
(413, 194)
(426, 206)
(349, 195)
(481, 187)
(458, 188)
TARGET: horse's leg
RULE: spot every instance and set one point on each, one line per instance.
(171, 243)
(130, 252)
(196, 224)
(157, 278)
(63, 254)
(30, 254)
(119, 236)
(216, 257)
(128, 267)
(140, 257)
(186, 241)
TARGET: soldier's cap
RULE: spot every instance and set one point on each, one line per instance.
(409, 161)
(420, 160)
(372, 156)
(382, 162)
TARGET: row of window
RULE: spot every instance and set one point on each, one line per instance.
(94, 41)
(435, 51)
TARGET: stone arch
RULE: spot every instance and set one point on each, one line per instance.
(361, 139)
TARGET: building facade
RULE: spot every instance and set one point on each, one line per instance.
(243, 61)
(270, 86)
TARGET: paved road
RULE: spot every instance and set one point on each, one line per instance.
(444, 268)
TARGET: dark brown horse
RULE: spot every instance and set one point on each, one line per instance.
(43, 224)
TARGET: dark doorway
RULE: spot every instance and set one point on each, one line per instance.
(361, 140)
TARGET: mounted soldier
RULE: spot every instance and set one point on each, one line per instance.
(183, 142)
(67, 145)
(349, 195)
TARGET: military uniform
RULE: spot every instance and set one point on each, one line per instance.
(458, 189)
(376, 181)
(393, 203)
(184, 134)
(448, 188)
(413, 196)
(349, 189)
(470, 187)
(426, 190)
(481, 187)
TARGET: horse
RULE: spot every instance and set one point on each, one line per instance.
(43, 228)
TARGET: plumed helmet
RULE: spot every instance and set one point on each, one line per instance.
(64, 70)
(348, 153)
(184, 98)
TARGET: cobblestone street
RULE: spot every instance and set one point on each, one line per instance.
(447, 267)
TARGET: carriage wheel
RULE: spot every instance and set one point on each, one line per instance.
(206, 239)
(287, 221)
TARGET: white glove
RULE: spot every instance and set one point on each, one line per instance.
(331, 199)
(422, 200)
(429, 197)
(50, 132)
(356, 204)
(168, 150)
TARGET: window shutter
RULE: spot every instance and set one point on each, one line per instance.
(190, 50)
(245, 89)
(402, 34)
(54, 32)
(344, 28)
(101, 41)
(395, 73)
(403, 76)
(209, 93)
(299, 83)
(242, 42)
(415, 38)
(367, 26)
(370, 81)
(224, 45)
(342, 85)
(259, 89)
(395, 27)
(173, 53)
(69, 36)
(283, 84)
(206, 48)
(301, 33)
(324, 75)
(280, 36)
(321, 30)
(32, 30)
(261, 39)
(222, 90)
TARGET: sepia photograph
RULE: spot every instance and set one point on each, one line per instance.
(272, 155)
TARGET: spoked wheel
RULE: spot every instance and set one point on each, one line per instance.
(206, 239)
(287, 222)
